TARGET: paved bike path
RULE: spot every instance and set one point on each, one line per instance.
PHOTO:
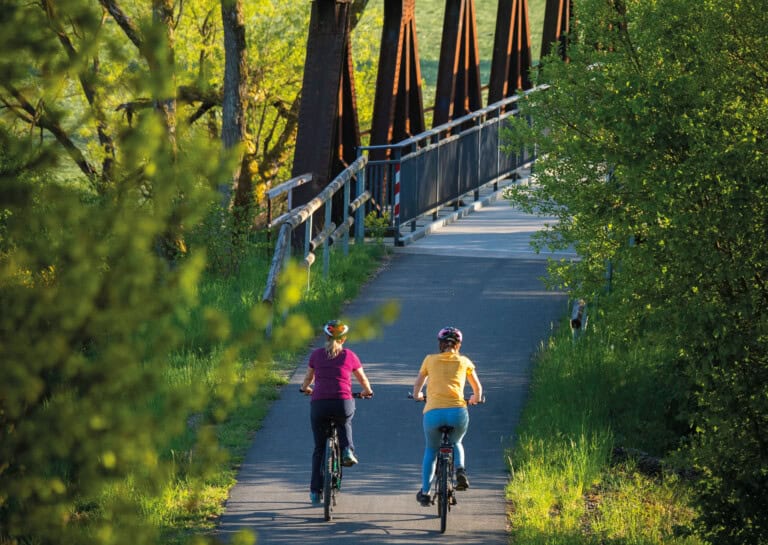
(493, 292)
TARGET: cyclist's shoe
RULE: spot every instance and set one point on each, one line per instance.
(462, 483)
(348, 458)
(314, 497)
(424, 499)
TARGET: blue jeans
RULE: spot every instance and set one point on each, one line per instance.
(458, 417)
(322, 411)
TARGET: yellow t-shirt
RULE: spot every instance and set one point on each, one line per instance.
(446, 375)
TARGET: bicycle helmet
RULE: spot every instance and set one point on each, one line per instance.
(336, 329)
(449, 334)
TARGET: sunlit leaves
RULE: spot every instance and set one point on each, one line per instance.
(669, 99)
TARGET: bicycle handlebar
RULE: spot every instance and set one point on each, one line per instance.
(424, 399)
(356, 395)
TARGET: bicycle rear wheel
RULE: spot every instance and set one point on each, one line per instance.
(442, 493)
(328, 464)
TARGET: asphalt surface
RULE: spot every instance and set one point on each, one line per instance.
(477, 273)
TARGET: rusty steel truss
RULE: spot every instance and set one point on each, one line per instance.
(511, 64)
(458, 90)
(328, 134)
(398, 108)
(557, 27)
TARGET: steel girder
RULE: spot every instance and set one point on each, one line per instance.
(511, 64)
(328, 132)
(459, 90)
(557, 26)
(398, 109)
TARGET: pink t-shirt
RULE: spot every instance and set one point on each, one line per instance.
(333, 376)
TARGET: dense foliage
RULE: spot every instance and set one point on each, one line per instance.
(653, 143)
(110, 157)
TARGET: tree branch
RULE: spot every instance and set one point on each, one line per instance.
(41, 118)
(275, 156)
(200, 112)
(125, 22)
(90, 93)
(186, 94)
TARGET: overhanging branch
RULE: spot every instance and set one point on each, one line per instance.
(41, 118)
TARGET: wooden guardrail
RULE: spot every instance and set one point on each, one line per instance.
(331, 233)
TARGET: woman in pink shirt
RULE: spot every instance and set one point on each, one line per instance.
(331, 368)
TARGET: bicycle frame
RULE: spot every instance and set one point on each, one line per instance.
(444, 477)
(332, 472)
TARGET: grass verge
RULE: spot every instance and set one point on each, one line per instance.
(191, 507)
(589, 401)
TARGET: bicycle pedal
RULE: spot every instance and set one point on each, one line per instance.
(453, 500)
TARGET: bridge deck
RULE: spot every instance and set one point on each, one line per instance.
(489, 227)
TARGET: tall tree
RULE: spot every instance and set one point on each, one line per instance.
(88, 306)
(92, 317)
(165, 100)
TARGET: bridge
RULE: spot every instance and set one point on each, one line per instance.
(461, 257)
(329, 139)
(406, 171)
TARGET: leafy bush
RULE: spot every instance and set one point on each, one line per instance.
(653, 162)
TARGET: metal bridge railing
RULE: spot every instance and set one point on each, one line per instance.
(419, 175)
(404, 180)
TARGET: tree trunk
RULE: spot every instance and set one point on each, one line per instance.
(233, 132)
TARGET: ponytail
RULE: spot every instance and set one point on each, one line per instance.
(333, 347)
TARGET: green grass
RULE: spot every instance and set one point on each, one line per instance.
(587, 398)
(189, 505)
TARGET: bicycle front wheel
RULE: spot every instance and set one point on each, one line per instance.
(442, 493)
(328, 463)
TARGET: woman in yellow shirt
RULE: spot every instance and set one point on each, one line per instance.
(447, 373)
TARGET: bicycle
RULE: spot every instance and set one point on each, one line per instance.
(444, 481)
(332, 466)
(332, 472)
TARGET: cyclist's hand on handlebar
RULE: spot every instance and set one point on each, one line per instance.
(306, 391)
(366, 393)
(419, 396)
(473, 400)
